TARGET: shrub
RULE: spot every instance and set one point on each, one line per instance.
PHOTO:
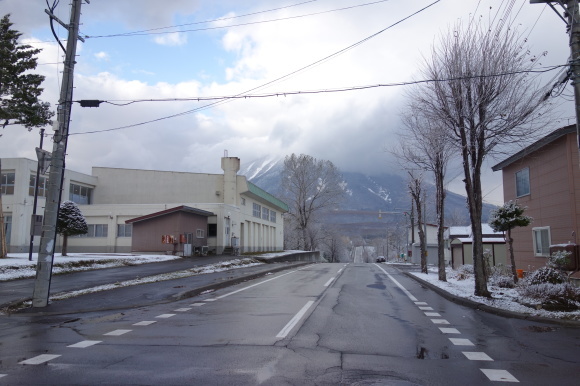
(501, 276)
(464, 272)
(546, 275)
(556, 296)
(559, 260)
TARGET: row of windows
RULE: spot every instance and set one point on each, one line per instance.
(77, 193)
(102, 230)
(263, 213)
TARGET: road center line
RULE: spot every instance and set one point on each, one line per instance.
(37, 360)
(414, 299)
(284, 332)
(85, 343)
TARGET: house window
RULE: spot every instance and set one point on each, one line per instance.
(199, 234)
(523, 182)
(80, 194)
(42, 187)
(541, 237)
(8, 229)
(265, 214)
(8, 183)
(257, 210)
(97, 230)
(124, 230)
(272, 216)
(211, 230)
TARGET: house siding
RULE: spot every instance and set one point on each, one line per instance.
(553, 198)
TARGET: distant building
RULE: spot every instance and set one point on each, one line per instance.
(459, 245)
(112, 198)
(545, 178)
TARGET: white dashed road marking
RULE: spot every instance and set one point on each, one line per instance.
(499, 375)
(432, 314)
(145, 323)
(461, 342)
(117, 332)
(439, 321)
(197, 304)
(447, 330)
(182, 309)
(85, 343)
(426, 308)
(420, 303)
(477, 356)
(165, 316)
(328, 282)
(39, 359)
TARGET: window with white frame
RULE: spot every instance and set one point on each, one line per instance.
(257, 210)
(42, 187)
(124, 230)
(97, 230)
(8, 182)
(265, 213)
(541, 236)
(80, 194)
(200, 234)
(523, 182)
(272, 216)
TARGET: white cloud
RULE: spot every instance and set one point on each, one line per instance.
(172, 39)
(102, 56)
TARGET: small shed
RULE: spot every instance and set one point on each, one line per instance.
(181, 230)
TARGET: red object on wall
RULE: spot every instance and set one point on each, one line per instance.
(163, 239)
(182, 239)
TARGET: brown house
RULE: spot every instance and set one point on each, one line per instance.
(181, 230)
(545, 177)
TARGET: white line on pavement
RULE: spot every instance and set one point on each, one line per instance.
(439, 321)
(447, 330)
(182, 309)
(426, 308)
(85, 343)
(461, 342)
(197, 304)
(432, 314)
(414, 299)
(145, 323)
(165, 316)
(117, 332)
(499, 375)
(39, 359)
(477, 356)
(284, 332)
(330, 281)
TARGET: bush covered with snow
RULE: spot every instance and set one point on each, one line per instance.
(546, 275)
(565, 296)
(501, 276)
(463, 272)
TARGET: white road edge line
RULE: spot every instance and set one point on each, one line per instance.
(292, 323)
(329, 281)
(414, 299)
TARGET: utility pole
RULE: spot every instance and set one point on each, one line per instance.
(571, 12)
(48, 238)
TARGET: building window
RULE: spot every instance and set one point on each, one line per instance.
(96, 230)
(200, 234)
(211, 230)
(257, 210)
(243, 201)
(523, 182)
(42, 187)
(265, 214)
(8, 229)
(272, 216)
(124, 230)
(8, 183)
(80, 194)
(542, 242)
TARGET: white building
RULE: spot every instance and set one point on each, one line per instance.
(110, 196)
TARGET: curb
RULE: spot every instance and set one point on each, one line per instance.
(176, 297)
(489, 309)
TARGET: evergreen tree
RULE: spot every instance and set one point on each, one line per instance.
(71, 222)
(506, 218)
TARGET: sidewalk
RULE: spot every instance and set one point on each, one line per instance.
(18, 291)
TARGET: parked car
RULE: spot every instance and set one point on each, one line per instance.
(381, 259)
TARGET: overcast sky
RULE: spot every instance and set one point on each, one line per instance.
(228, 57)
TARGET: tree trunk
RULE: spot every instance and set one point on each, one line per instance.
(3, 243)
(64, 244)
(422, 237)
(512, 257)
(440, 225)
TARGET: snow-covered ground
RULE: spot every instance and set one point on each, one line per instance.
(502, 298)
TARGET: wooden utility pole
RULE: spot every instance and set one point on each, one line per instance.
(48, 238)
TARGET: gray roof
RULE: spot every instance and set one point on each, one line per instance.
(554, 135)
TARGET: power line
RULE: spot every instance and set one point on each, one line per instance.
(148, 32)
(320, 91)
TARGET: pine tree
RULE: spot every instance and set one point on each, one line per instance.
(71, 222)
(506, 218)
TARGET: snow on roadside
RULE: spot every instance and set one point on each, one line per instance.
(17, 265)
(502, 298)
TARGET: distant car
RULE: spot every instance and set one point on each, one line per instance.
(381, 259)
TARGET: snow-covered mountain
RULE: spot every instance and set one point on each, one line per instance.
(366, 195)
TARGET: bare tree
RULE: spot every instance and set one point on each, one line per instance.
(415, 185)
(484, 96)
(333, 244)
(425, 145)
(309, 186)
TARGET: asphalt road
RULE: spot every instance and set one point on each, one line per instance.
(320, 324)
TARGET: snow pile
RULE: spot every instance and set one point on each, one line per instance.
(462, 284)
(17, 265)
